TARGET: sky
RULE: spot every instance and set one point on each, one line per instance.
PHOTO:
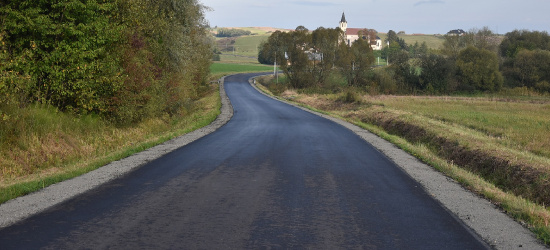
(411, 16)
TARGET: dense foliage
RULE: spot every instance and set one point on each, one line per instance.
(124, 59)
(477, 61)
(225, 32)
(308, 59)
(527, 59)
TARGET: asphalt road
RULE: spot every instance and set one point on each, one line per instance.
(273, 177)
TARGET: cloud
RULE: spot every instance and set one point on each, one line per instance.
(428, 2)
(315, 3)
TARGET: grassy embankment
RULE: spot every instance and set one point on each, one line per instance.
(45, 146)
(498, 147)
(51, 146)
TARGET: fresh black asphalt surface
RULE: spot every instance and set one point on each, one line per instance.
(275, 177)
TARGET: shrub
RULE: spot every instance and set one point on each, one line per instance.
(351, 96)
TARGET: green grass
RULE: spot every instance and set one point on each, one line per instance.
(248, 45)
(52, 146)
(521, 125)
(433, 41)
(231, 68)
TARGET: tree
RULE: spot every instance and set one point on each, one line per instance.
(60, 52)
(392, 37)
(436, 74)
(294, 59)
(123, 59)
(480, 38)
(526, 61)
(225, 32)
(418, 50)
(368, 34)
(404, 73)
(484, 38)
(530, 68)
(324, 45)
(518, 40)
(355, 62)
(478, 69)
(389, 52)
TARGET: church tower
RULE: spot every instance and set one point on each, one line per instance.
(343, 23)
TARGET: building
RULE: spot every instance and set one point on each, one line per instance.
(352, 34)
(457, 32)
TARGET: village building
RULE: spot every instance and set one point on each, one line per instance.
(352, 35)
(457, 32)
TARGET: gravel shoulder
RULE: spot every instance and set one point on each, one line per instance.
(478, 214)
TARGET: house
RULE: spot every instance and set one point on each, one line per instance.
(457, 32)
(352, 34)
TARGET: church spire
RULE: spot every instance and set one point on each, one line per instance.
(343, 23)
(343, 18)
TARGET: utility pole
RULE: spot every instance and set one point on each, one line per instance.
(275, 68)
(388, 55)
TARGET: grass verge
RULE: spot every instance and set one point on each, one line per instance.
(53, 146)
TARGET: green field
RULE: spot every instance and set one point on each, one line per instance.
(228, 68)
(433, 41)
(519, 125)
(244, 50)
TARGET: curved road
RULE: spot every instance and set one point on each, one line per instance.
(273, 177)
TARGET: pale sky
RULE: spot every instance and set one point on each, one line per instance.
(411, 16)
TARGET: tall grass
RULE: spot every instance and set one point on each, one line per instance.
(522, 125)
(40, 146)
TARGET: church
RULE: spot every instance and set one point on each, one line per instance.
(352, 34)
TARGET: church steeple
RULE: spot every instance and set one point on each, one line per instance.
(343, 23)
(343, 18)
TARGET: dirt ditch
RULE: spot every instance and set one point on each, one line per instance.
(522, 180)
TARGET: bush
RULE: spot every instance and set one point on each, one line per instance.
(543, 86)
(60, 52)
(224, 32)
(124, 59)
(351, 96)
(386, 83)
(478, 69)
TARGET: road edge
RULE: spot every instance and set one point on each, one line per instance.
(481, 216)
(20, 208)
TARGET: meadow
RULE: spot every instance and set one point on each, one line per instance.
(518, 124)
(433, 41)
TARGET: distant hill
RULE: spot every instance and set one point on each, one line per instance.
(254, 30)
(433, 41)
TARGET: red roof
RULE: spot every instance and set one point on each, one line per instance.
(353, 31)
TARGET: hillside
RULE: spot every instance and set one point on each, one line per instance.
(244, 49)
(433, 41)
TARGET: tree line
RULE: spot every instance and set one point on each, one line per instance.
(123, 59)
(309, 58)
(478, 61)
(225, 32)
